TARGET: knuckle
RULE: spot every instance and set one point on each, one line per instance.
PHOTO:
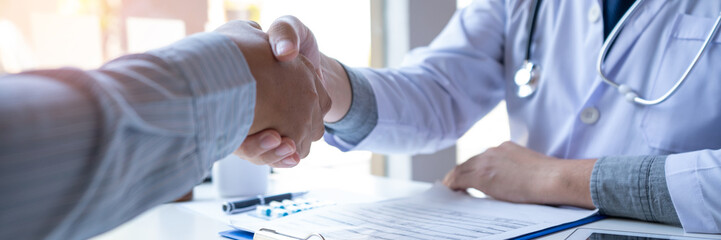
(254, 24)
(318, 134)
(308, 64)
(326, 103)
(304, 149)
(490, 150)
(283, 26)
(246, 151)
(255, 161)
(289, 18)
(282, 23)
(241, 154)
(485, 168)
(267, 160)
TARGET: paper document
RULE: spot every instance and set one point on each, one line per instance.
(211, 207)
(438, 213)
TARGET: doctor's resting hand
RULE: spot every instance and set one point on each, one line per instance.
(513, 173)
(83, 151)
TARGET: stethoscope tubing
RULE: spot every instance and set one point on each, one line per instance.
(625, 90)
(628, 93)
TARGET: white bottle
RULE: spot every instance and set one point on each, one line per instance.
(236, 177)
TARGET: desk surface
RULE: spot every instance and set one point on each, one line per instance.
(171, 221)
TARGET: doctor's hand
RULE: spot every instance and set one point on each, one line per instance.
(513, 173)
(291, 39)
(290, 99)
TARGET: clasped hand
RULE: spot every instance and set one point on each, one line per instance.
(290, 99)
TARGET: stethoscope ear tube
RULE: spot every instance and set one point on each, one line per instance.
(527, 76)
(625, 90)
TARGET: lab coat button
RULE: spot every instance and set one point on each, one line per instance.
(590, 115)
(594, 14)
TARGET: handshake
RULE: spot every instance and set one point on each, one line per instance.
(291, 96)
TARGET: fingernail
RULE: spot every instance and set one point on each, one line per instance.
(283, 150)
(268, 142)
(288, 162)
(282, 47)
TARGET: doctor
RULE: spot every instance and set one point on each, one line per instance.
(639, 152)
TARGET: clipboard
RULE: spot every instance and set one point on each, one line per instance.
(267, 234)
(511, 221)
(270, 234)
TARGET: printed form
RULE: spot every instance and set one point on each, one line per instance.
(438, 213)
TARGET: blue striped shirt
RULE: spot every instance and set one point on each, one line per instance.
(84, 151)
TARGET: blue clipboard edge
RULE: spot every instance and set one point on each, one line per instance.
(555, 229)
(241, 235)
(237, 234)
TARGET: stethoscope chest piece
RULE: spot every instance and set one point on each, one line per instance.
(526, 79)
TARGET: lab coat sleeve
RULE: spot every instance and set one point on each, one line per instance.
(441, 90)
(694, 182)
(84, 151)
(633, 187)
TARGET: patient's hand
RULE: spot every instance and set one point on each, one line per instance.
(514, 173)
(290, 98)
(291, 39)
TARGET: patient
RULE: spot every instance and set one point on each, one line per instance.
(83, 151)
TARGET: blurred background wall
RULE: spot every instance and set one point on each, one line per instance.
(360, 33)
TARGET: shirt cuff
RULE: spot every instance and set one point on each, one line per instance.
(361, 118)
(223, 90)
(633, 187)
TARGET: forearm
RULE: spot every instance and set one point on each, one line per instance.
(569, 184)
(360, 117)
(338, 86)
(82, 152)
(632, 187)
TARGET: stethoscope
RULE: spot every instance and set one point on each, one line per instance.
(527, 76)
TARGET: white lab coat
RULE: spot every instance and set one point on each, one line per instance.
(443, 89)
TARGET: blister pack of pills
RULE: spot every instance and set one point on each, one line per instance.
(276, 209)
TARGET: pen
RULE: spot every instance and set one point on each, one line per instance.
(250, 204)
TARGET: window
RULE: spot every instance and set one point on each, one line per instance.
(490, 131)
(342, 29)
(87, 33)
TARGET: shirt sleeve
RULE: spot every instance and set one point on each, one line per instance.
(361, 118)
(694, 182)
(633, 187)
(440, 90)
(84, 151)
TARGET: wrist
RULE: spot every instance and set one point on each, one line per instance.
(571, 183)
(337, 84)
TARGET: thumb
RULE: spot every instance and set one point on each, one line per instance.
(283, 40)
(289, 37)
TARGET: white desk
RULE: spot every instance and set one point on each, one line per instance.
(170, 221)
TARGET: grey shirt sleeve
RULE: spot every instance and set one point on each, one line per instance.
(362, 116)
(633, 187)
